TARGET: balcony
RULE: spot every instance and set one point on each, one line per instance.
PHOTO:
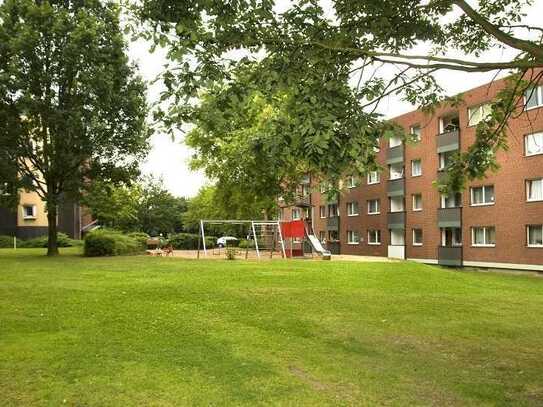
(396, 187)
(396, 220)
(332, 223)
(449, 256)
(303, 201)
(449, 217)
(448, 141)
(395, 155)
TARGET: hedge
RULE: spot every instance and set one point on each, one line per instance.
(244, 243)
(6, 242)
(103, 242)
(40, 242)
(189, 241)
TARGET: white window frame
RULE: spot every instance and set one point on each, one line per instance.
(418, 137)
(528, 187)
(413, 166)
(538, 95)
(378, 207)
(350, 207)
(299, 214)
(540, 134)
(393, 199)
(484, 203)
(353, 237)
(445, 196)
(352, 182)
(322, 210)
(34, 211)
(422, 236)
(377, 234)
(480, 109)
(401, 173)
(374, 177)
(443, 161)
(485, 233)
(415, 209)
(394, 141)
(539, 246)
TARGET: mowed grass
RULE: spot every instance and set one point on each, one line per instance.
(162, 331)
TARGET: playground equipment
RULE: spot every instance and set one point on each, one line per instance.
(289, 239)
(266, 235)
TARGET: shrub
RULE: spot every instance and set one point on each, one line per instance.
(189, 241)
(105, 242)
(40, 242)
(6, 242)
(231, 253)
(244, 244)
(140, 237)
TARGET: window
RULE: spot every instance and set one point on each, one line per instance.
(304, 190)
(374, 177)
(451, 200)
(533, 97)
(483, 236)
(396, 171)
(352, 182)
(333, 211)
(449, 123)
(374, 237)
(478, 113)
(397, 237)
(417, 237)
(417, 202)
(534, 189)
(322, 211)
(535, 235)
(445, 159)
(306, 213)
(416, 132)
(29, 211)
(352, 237)
(296, 214)
(482, 195)
(374, 207)
(394, 141)
(534, 144)
(451, 237)
(397, 204)
(416, 168)
(322, 235)
(352, 208)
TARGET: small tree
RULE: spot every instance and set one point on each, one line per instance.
(72, 110)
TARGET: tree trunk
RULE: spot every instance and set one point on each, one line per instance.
(52, 243)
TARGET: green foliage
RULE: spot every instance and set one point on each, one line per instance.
(41, 241)
(303, 98)
(140, 237)
(103, 242)
(72, 109)
(230, 253)
(145, 206)
(189, 241)
(244, 244)
(6, 242)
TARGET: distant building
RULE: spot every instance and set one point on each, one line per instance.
(29, 219)
(496, 222)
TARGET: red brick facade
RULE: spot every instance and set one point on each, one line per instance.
(509, 214)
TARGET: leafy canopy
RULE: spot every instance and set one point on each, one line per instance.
(72, 109)
(276, 91)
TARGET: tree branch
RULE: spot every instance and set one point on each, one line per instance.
(524, 45)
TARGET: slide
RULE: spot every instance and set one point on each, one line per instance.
(317, 246)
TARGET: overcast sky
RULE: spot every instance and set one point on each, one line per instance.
(169, 158)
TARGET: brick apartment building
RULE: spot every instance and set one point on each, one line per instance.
(496, 222)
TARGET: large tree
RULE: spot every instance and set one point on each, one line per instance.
(72, 110)
(316, 75)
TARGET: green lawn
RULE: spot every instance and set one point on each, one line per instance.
(152, 331)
